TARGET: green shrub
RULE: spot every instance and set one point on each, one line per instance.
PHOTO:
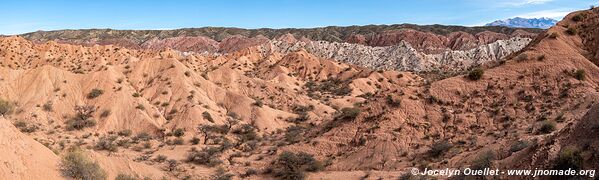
(293, 134)
(439, 148)
(47, 106)
(206, 156)
(580, 74)
(571, 31)
(178, 132)
(94, 93)
(293, 165)
(476, 74)
(393, 102)
(106, 143)
(160, 158)
(194, 140)
(569, 157)
(578, 17)
(82, 119)
(76, 165)
(5, 107)
(25, 127)
(547, 127)
(349, 113)
(246, 132)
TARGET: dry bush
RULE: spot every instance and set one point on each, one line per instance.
(75, 164)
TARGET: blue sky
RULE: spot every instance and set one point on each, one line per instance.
(21, 16)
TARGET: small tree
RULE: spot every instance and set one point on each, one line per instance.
(293, 165)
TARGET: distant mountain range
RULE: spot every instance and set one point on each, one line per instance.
(543, 23)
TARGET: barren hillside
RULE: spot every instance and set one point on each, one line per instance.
(265, 104)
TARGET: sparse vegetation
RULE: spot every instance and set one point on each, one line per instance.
(569, 157)
(519, 145)
(206, 156)
(522, 57)
(293, 134)
(121, 176)
(25, 127)
(5, 107)
(221, 174)
(48, 106)
(476, 74)
(577, 17)
(94, 93)
(106, 143)
(125, 132)
(439, 148)
(571, 31)
(485, 160)
(293, 165)
(82, 119)
(580, 74)
(178, 132)
(547, 127)
(75, 164)
(393, 102)
(206, 115)
(143, 136)
(258, 102)
(194, 140)
(105, 113)
(245, 133)
(349, 113)
(332, 85)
